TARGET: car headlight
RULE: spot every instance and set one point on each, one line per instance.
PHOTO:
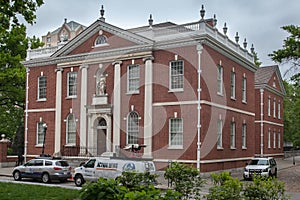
(246, 170)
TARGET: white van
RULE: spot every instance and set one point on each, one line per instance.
(105, 167)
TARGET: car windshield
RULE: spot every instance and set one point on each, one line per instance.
(259, 162)
(62, 163)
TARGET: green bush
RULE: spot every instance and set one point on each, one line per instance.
(225, 187)
(186, 179)
(137, 181)
(265, 189)
(129, 186)
(103, 189)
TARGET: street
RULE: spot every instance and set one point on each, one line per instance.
(290, 176)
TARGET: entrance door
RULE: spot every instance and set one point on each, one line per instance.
(101, 136)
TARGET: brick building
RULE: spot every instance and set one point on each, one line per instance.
(171, 88)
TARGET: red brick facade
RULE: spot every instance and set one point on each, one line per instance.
(154, 102)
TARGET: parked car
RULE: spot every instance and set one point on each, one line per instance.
(261, 166)
(106, 167)
(45, 169)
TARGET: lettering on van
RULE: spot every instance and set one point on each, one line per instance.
(106, 166)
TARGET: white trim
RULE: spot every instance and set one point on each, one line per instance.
(176, 103)
(227, 108)
(268, 122)
(205, 161)
(41, 110)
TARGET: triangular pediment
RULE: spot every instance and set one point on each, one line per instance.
(270, 77)
(116, 38)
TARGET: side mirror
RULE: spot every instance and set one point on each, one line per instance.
(246, 164)
(81, 164)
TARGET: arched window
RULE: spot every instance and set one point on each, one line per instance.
(71, 129)
(100, 40)
(132, 128)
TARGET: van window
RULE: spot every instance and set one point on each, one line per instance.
(90, 163)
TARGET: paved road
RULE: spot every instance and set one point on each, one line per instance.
(287, 172)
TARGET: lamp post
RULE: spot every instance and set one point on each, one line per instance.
(44, 130)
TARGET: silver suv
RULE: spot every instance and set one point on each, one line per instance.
(44, 169)
(261, 166)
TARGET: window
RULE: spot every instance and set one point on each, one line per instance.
(232, 84)
(71, 129)
(274, 108)
(269, 138)
(274, 139)
(279, 139)
(72, 84)
(176, 75)
(244, 135)
(40, 133)
(244, 90)
(219, 134)
(100, 40)
(133, 74)
(279, 110)
(42, 87)
(132, 128)
(220, 80)
(176, 132)
(232, 135)
(269, 106)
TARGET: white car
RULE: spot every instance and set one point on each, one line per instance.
(261, 166)
(105, 167)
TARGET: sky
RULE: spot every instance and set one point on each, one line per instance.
(259, 21)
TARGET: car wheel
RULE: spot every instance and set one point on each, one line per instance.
(275, 174)
(45, 178)
(79, 181)
(17, 175)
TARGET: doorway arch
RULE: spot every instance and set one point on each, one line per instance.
(101, 130)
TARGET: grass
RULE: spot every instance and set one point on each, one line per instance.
(12, 191)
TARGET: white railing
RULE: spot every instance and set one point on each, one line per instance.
(200, 28)
(41, 52)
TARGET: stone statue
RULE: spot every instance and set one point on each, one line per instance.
(101, 85)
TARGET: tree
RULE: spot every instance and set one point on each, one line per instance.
(290, 52)
(292, 111)
(13, 46)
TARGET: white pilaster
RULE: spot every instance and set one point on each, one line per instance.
(148, 107)
(83, 103)
(199, 50)
(261, 122)
(58, 110)
(117, 105)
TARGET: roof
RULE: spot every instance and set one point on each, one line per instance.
(72, 25)
(264, 74)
